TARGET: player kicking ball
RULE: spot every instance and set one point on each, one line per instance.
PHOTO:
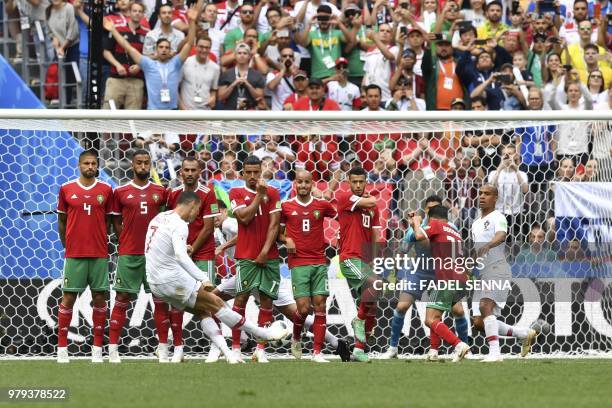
(303, 234)
(174, 277)
(358, 218)
(489, 235)
(134, 205)
(445, 243)
(257, 208)
(84, 208)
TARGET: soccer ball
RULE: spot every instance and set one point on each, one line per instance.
(284, 342)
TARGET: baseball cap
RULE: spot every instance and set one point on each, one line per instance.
(324, 9)
(414, 29)
(341, 60)
(458, 101)
(300, 74)
(315, 82)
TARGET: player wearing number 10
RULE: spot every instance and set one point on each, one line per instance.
(82, 207)
(134, 205)
(358, 218)
(303, 234)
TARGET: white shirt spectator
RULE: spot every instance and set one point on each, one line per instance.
(345, 96)
(282, 91)
(175, 37)
(406, 105)
(223, 12)
(377, 70)
(510, 199)
(197, 80)
(569, 31)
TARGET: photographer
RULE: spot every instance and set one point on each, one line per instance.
(280, 83)
(241, 88)
(403, 97)
(325, 42)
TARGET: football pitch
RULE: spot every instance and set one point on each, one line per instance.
(290, 383)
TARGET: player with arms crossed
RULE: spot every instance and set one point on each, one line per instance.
(358, 218)
(175, 278)
(84, 207)
(445, 243)
(201, 242)
(489, 235)
(257, 208)
(302, 231)
(407, 298)
(134, 205)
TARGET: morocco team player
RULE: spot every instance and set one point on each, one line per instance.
(359, 226)
(201, 240)
(445, 243)
(174, 278)
(302, 217)
(257, 208)
(489, 235)
(134, 205)
(83, 207)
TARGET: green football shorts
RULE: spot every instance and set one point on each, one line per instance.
(265, 279)
(309, 280)
(82, 272)
(131, 273)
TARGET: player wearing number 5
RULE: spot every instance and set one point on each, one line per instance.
(358, 218)
(83, 207)
(303, 234)
(134, 205)
(257, 208)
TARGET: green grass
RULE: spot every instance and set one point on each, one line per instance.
(289, 383)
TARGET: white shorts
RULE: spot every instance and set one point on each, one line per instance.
(180, 294)
(285, 292)
(500, 272)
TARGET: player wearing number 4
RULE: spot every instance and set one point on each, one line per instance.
(489, 235)
(358, 218)
(83, 207)
(257, 208)
(201, 243)
(303, 234)
(134, 205)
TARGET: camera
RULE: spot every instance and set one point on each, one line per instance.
(404, 31)
(480, 42)
(505, 79)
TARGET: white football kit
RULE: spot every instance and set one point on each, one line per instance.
(171, 274)
(495, 266)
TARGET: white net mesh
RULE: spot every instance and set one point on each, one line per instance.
(559, 224)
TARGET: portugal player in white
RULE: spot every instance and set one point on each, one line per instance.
(489, 235)
(173, 276)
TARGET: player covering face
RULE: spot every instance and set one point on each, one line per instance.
(302, 220)
(359, 222)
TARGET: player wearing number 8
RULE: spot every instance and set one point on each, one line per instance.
(82, 207)
(358, 218)
(302, 218)
(134, 205)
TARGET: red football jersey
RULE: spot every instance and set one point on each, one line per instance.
(252, 237)
(304, 224)
(356, 225)
(137, 206)
(86, 208)
(445, 243)
(209, 208)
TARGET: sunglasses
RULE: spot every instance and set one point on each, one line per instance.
(585, 28)
(247, 12)
(597, 76)
(340, 66)
(287, 56)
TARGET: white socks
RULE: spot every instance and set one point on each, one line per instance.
(210, 328)
(491, 333)
(231, 318)
(511, 331)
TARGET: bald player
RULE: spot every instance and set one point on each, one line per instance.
(303, 234)
(489, 235)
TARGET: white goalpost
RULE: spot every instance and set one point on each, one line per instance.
(562, 283)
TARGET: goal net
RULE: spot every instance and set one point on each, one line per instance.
(553, 171)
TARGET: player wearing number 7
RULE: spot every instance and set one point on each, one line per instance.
(134, 205)
(83, 206)
(303, 234)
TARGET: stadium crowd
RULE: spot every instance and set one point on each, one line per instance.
(364, 55)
